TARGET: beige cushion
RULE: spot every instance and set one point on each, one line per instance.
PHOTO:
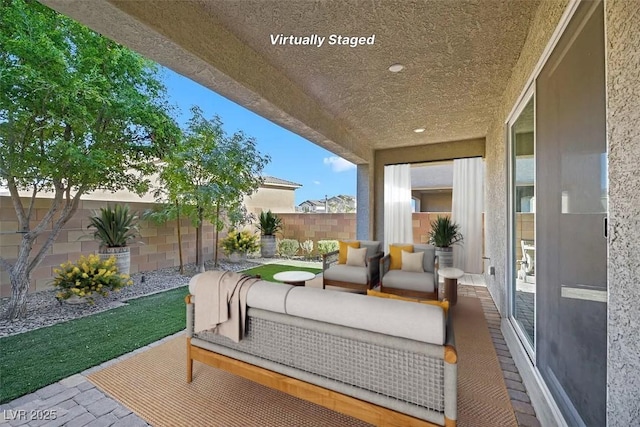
(412, 261)
(409, 280)
(346, 273)
(356, 257)
(268, 295)
(385, 316)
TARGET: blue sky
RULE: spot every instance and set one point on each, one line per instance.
(292, 157)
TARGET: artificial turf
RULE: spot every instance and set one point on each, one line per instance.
(267, 271)
(34, 359)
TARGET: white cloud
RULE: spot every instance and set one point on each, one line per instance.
(338, 164)
(316, 182)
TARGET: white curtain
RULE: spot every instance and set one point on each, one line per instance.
(398, 227)
(466, 210)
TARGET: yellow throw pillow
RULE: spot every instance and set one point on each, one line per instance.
(443, 304)
(395, 252)
(342, 254)
(412, 261)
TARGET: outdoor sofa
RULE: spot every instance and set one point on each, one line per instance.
(387, 362)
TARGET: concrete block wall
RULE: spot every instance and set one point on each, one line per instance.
(156, 248)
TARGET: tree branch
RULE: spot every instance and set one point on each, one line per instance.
(71, 206)
(53, 209)
(32, 201)
(17, 204)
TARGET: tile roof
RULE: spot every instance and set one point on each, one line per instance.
(271, 180)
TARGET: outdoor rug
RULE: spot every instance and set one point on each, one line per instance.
(153, 385)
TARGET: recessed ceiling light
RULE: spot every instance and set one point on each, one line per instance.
(396, 68)
(419, 130)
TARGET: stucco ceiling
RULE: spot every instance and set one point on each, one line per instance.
(458, 56)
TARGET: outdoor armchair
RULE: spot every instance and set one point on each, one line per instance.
(360, 278)
(420, 282)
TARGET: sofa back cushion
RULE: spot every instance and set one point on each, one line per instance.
(373, 247)
(429, 259)
(420, 322)
(268, 296)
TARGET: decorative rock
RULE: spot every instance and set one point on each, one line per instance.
(43, 309)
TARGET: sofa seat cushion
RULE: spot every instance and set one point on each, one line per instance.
(381, 315)
(409, 280)
(268, 296)
(346, 273)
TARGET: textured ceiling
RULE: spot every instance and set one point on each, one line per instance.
(458, 57)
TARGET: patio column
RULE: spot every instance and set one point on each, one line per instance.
(623, 133)
(362, 196)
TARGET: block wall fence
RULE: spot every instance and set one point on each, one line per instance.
(157, 246)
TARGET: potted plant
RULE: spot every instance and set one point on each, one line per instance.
(444, 233)
(114, 228)
(269, 225)
(238, 244)
(90, 275)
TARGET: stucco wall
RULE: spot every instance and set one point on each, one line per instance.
(278, 200)
(623, 134)
(540, 31)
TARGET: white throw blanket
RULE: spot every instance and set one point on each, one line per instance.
(221, 298)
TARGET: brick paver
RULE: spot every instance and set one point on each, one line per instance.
(525, 413)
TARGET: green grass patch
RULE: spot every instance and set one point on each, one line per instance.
(38, 358)
(267, 271)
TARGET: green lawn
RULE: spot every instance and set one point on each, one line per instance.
(267, 271)
(35, 359)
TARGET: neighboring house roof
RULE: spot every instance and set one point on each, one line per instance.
(313, 203)
(271, 180)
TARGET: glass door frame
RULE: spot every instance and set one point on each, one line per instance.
(510, 269)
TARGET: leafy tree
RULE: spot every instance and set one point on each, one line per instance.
(210, 172)
(78, 113)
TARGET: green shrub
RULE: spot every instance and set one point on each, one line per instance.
(307, 248)
(326, 246)
(288, 247)
(241, 242)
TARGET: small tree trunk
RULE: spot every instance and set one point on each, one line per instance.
(215, 241)
(17, 308)
(199, 242)
(179, 238)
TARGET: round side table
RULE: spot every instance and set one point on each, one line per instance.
(295, 278)
(451, 276)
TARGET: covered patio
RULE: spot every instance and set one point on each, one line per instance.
(443, 81)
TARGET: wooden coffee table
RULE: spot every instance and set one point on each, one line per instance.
(451, 276)
(295, 278)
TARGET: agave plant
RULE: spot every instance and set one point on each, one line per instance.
(444, 232)
(270, 223)
(114, 227)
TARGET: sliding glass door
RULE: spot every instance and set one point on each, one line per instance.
(523, 214)
(558, 212)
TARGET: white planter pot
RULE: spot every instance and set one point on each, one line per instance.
(76, 300)
(268, 246)
(237, 257)
(445, 257)
(122, 255)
